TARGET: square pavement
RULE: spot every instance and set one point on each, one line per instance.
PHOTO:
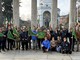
(37, 55)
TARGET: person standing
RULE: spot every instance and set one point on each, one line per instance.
(41, 34)
(17, 38)
(48, 35)
(63, 34)
(34, 38)
(70, 38)
(10, 38)
(51, 32)
(1, 40)
(29, 37)
(24, 39)
(74, 38)
(78, 35)
(5, 37)
(55, 34)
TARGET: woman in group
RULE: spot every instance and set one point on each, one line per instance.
(45, 45)
(53, 44)
(58, 47)
(48, 35)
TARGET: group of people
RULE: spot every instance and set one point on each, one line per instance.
(39, 38)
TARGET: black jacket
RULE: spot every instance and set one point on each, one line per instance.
(24, 36)
(65, 45)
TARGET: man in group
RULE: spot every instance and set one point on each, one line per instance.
(29, 37)
(24, 39)
(34, 38)
(41, 34)
(4, 38)
(10, 38)
(55, 33)
(63, 33)
(1, 40)
(70, 38)
(65, 48)
(17, 38)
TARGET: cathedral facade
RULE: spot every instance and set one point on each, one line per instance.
(44, 13)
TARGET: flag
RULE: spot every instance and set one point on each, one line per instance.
(1, 34)
(74, 33)
(29, 31)
(9, 35)
(34, 33)
(15, 32)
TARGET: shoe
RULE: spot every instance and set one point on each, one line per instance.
(7, 49)
(11, 49)
(22, 49)
(73, 50)
(16, 48)
(3, 50)
(26, 49)
(43, 51)
(70, 52)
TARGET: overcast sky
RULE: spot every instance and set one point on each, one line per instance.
(25, 9)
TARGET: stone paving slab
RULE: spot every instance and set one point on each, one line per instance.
(37, 55)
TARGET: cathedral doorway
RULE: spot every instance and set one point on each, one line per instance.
(46, 18)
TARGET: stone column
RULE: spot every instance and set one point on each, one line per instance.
(41, 20)
(16, 13)
(72, 14)
(54, 14)
(1, 21)
(33, 13)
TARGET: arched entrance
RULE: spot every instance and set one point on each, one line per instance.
(46, 18)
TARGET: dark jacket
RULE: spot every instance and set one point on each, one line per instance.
(46, 43)
(65, 45)
(55, 35)
(24, 36)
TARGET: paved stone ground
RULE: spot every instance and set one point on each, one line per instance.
(37, 55)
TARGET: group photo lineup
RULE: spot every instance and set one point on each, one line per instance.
(39, 29)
